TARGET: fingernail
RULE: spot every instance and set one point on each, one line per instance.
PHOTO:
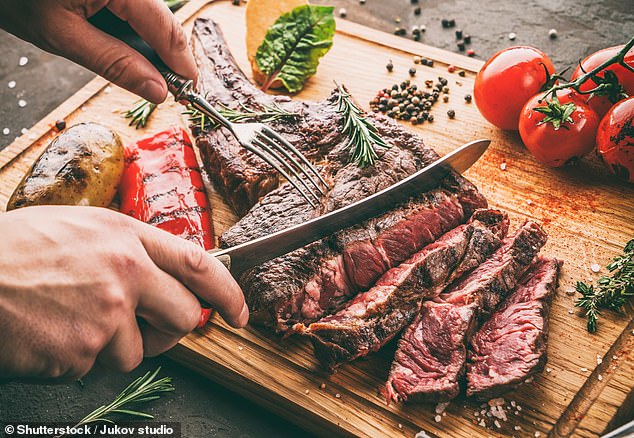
(244, 316)
(153, 91)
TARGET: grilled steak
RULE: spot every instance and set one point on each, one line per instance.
(305, 284)
(511, 346)
(374, 317)
(430, 360)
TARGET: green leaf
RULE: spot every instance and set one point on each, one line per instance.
(294, 44)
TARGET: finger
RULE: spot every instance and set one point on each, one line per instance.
(157, 25)
(201, 272)
(156, 342)
(86, 45)
(166, 304)
(124, 352)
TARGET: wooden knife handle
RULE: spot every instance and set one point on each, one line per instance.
(225, 259)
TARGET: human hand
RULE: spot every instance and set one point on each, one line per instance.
(74, 279)
(61, 27)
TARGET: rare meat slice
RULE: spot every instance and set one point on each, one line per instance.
(511, 346)
(308, 283)
(429, 363)
(374, 317)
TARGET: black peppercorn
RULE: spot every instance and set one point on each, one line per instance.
(236, 2)
(430, 118)
(412, 71)
(416, 37)
(468, 98)
(467, 39)
(389, 66)
(442, 80)
(60, 124)
(452, 23)
(459, 34)
(451, 113)
(462, 73)
(395, 87)
(382, 108)
(461, 45)
(417, 10)
(444, 22)
(430, 62)
(445, 98)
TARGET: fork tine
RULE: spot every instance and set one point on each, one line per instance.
(274, 135)
(277, 167)
(289, 157)
(290, 168)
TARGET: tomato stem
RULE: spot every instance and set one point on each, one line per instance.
(619, 58)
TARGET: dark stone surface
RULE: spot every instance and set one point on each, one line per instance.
(203, 407)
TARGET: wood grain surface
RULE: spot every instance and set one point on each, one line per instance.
(588, 214)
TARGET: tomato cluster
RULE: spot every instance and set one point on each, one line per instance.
(563, 127)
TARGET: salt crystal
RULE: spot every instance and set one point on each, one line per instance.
(516, 413)
(519, 408)
(108, 89)
(595, 267)
(548, 370)
(23, 61)
(570, 290)
(307, 391)
(529, 380)
(529, 202)
(513, 403)
(240, 348)
(497, 424)
(437, 418)
(538, 434)
(11, 84)
(512, 36)
(32, 136)
(476, 414)
(517, 427)
(599, 359)
(571, 311)
(584, 370)
(21, 103)
(6, 131)
(422, 434)
(503, 166)
(599, 377)
(322, 386)
(444, 414)
(337, 395)
(400, 426)
(614, 357)
(24, 131)
(440, 407)
(482, 423)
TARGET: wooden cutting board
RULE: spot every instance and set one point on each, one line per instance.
(589, 215)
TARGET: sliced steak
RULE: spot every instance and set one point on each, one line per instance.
(429, 363)
(374, 317)
(303, 285)
(511, 346)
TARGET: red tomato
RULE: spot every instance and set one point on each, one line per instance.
(507, 81)
(615, 139)
(556, 147)
(602, 104)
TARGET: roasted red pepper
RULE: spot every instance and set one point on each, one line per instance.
(162, 186)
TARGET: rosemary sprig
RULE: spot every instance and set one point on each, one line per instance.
(143, 389)
(364, 137)
(175, 4)
(612, 291)
(267, 113)
(140, 113)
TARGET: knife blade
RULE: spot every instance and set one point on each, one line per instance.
(241, 257)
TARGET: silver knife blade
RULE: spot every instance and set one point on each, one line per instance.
(241, 257)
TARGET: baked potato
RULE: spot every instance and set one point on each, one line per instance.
(81, 166)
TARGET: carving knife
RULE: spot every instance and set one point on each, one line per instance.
(239, 258)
